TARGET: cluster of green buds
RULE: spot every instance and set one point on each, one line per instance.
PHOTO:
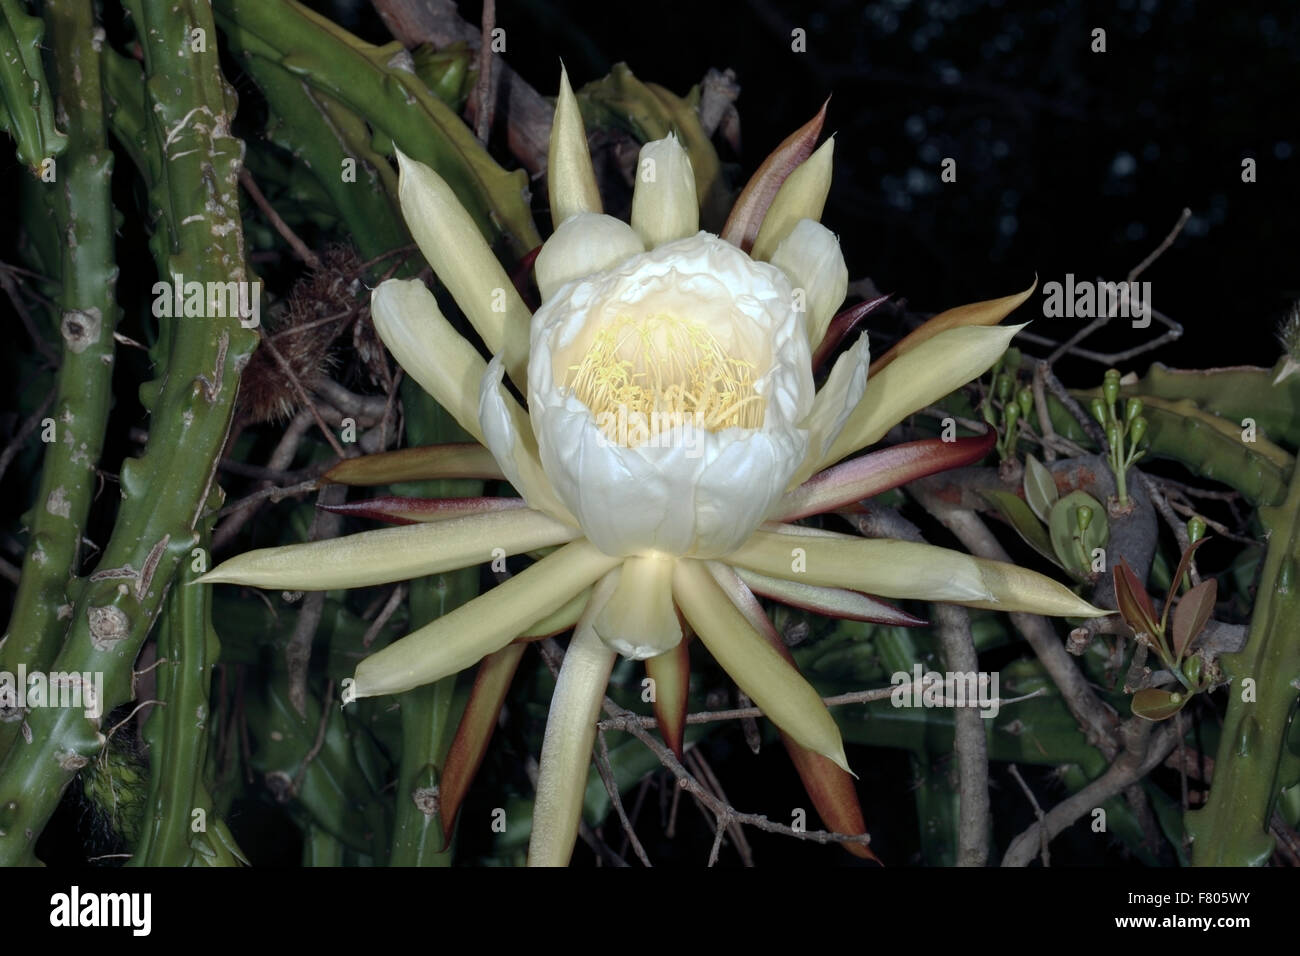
(1006, 404)
(1126, 434)
(1170, 638)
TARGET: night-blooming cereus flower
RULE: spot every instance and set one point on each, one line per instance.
(672, 437)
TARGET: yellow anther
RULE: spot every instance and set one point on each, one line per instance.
(662, 372)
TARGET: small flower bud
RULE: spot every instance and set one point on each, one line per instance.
(1195, 528)
(1110, 387)
(1003, 387)
(1098, 409)
(1113, 435)
(1025, 399)
(1137, 429)
(1011, 414)
(1083, 517)
(1132, 409)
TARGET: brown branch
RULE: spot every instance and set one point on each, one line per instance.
(611, 787)
(1038, 813)
(480, 102)
(279, 225)
(24, 432)
(1143, 752)
(302, 394)
(974, 824)
(730, 826)
(1100, 723)
(297, 653)
(319, 743)
(390, 607)
(16, 299)
(281, 458)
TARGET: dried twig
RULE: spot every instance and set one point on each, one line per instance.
(16, 300)
(1038, 812)
(281, 458)
(24, 432)
(304, 396)
(279, 225)
(969, 741)
(729, 826)
(611, 787)
(483, 107)
(390, 606)
(1143, 752)
(319, 742)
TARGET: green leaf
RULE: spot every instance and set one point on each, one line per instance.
(1074, 547)
(1040, 487)
(1017, 514)
(1153, 704)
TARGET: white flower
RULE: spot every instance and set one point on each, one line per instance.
(671, 431)
(667, 395)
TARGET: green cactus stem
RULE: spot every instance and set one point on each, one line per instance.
(181, 826)
(28, 113)
(199, 360)
(1233, 827)
(381, 84)
(80, 205)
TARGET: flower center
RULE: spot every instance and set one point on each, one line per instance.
(647, 375)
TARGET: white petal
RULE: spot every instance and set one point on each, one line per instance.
(689, 491)
(391, 554)
(408, 320)
(664, 204)
(466, 634)
(914, 380)
(508, 437)
(811, 257)
(836, 400)
(586, 243)
(907, 569)
(566, 745)
(759, 669)
(639, 620)
(464, 263)
(570, 180)
(801, 196)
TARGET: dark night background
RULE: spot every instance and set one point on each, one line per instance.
(1068, 161)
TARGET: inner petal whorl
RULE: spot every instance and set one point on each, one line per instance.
(644, 375)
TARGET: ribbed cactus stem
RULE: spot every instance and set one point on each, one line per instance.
(198, 363)
(79, 200)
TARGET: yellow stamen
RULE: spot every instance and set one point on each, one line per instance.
(661, 372)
